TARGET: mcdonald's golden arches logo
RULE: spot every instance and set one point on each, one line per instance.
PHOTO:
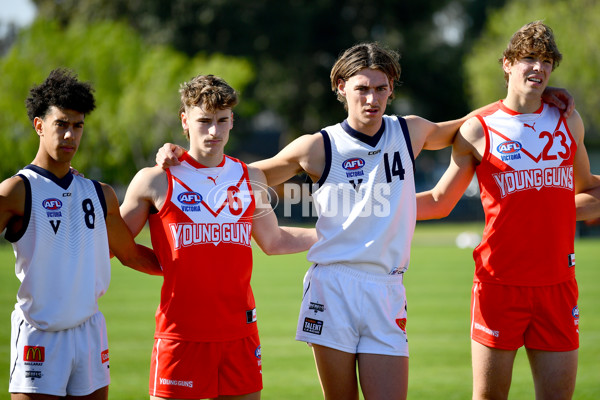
(34, 354)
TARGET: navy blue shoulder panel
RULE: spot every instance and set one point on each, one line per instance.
(100, 194)
(14, 236)
(404, 127)
(327, 168)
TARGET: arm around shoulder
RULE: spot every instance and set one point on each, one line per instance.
(439, 201)
(270, 237)
(121, 242)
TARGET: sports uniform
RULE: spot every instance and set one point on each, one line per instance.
(354, 299)
(527, 191)
(58, 337)
(202, 237)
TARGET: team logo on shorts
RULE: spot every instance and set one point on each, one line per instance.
(33, 375)
(313, 326)
(317, 307)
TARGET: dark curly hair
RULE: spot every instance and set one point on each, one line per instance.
(60, 89)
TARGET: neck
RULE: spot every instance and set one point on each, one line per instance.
(208, 160)
(59, 169)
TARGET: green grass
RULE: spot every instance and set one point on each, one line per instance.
(438, 288)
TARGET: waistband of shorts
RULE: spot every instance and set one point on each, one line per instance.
(363, 275)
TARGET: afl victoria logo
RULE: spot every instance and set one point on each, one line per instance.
(52, 204)
(509, 147)
(189, 198)
(353, 164)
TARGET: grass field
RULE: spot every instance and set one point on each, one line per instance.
(438, 288)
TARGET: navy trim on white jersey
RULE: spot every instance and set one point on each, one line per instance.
(370, 140)
(101, 197)
(404, 127)
(63, 182)
(325, 174)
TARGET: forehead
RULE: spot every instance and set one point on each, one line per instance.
(56, 113)
(200, 112)
(369, 77)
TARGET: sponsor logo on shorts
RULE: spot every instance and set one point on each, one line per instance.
(34, 355)
(251, 316)
(486, 330)
(104, 356)
(317, 307)
(174, 382)
(313, 326)
(33, 375)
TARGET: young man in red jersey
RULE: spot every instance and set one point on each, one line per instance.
(354, 308)
(202, 215)
(530, 162)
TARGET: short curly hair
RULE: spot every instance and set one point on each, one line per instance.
(61, 89)
(532, 38)
(210, 92)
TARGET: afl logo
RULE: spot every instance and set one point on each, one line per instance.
(575, 312)
(258, 352)
(352, 164)
(52, 204)
(189, 198)
(509, 147)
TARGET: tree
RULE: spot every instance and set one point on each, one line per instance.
(136, 89)
(293, 45)
(575, 25)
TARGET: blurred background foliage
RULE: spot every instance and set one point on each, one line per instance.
(278, 54)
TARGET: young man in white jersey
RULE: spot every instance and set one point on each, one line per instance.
(63, 228)
(354, 308)
(202, 214)
(531, 162)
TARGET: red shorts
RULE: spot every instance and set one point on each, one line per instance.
(200, 370)
(537, 317)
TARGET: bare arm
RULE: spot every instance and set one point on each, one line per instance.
(439, 201)
(587, 185)
(269, 236)
(306, 153)
(12, 201)
(121, 241)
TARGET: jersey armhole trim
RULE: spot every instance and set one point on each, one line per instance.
(100, 194)
(14, 236)
(404, 127)
(325, 174)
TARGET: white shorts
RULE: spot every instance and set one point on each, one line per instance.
(353, 311)
(69, 362)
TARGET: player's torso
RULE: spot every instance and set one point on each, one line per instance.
(365, 199)
(203, 236)
(62, 250)
(527, 188)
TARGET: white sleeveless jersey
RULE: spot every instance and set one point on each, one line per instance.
(365, 199)
(62, 253)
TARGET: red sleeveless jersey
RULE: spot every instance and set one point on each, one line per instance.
(201, 237)
(527, 190)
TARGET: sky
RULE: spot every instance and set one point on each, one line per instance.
(20, 12)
